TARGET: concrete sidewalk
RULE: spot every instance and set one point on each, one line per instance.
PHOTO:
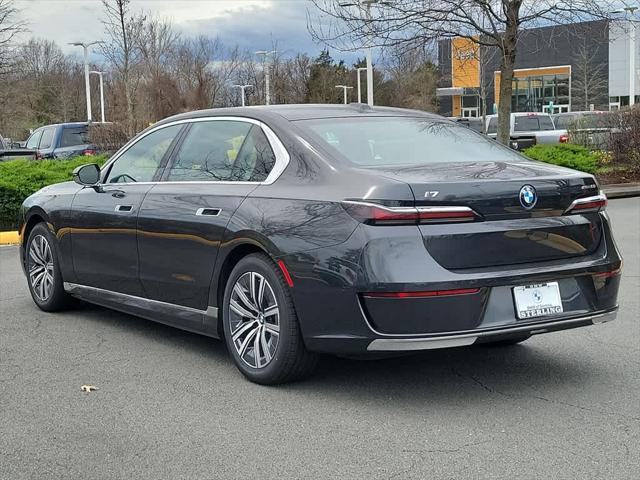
(621, 190)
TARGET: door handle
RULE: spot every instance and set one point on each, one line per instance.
(209, 212)
(124, 208)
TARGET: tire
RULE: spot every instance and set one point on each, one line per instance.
(44, 277)
(270, 325)
(507, 341)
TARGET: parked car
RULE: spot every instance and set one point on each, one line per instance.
(592, 129)
(62, 140)
(529, 129)
(293, 230)
(10, 150)
(474, 123)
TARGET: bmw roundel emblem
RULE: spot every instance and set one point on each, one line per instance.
(528, 197)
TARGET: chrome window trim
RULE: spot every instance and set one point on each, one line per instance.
(279, 150)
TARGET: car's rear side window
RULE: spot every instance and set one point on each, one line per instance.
(404, 141)
(72, 136)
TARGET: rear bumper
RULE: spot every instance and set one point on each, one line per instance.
(337, 317)
(460, 339)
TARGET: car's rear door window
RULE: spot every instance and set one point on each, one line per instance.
(222, 150)
(72, 136)
(404, 141)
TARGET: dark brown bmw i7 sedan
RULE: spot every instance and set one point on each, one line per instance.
(294, 230)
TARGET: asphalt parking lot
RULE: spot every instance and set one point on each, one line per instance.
(171, 405)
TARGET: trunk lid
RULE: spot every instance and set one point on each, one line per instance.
(508, 233)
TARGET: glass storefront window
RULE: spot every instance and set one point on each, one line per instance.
(535, 93)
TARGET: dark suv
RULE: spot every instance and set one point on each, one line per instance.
(62, 140)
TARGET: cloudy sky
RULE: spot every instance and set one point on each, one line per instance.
(252, 24)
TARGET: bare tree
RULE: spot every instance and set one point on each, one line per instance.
(589, 80)
(122, 50)
(489, 23)
(10, 26)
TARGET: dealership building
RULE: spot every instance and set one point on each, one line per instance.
(560, 68)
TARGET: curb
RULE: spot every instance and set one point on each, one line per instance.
(621, 190)
(9, 238)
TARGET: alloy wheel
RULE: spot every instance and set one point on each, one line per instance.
(40, 263)
(254, 318)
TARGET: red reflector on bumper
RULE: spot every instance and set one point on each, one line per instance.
(429, 293)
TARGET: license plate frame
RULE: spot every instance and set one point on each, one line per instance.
(537, 300)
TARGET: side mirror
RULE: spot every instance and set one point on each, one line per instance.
(87, 175)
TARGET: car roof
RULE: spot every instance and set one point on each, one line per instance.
(65, 124)
(295, 112)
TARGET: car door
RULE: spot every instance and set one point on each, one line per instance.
(45, 147)
(183, 218)
(34, 140)
(103, 218)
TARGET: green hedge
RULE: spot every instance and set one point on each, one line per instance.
(566, 155)
(20, 178)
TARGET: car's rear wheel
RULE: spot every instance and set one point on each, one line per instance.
(43, 270)
(261, 326)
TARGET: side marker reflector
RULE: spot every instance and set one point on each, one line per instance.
(286, 274)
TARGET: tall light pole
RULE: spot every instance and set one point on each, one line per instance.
(242, 89)
(358, 70)
(86, 46)
(95, 72)
(265, 54)
(632, 54)
(344, 91)
(367, 8)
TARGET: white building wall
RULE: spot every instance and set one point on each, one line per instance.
(619, 59)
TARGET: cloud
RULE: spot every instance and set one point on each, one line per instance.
(250, 24)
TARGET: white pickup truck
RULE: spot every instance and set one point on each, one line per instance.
(528, 129)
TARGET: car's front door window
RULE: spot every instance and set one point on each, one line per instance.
(47, 138)
(141, 161)
(34, 139)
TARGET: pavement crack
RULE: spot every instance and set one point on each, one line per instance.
(543, 399)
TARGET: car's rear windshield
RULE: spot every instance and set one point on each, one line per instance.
(532, 123)
(374, 141)
(72, 136)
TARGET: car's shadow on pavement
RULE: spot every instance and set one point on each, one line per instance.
(437, 376)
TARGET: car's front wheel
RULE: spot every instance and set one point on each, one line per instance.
(43, 270)
(261, 326)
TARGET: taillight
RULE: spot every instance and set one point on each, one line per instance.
(88, 152)
(374, 214)
(564, 138)
(423, 294)
(588, 204)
